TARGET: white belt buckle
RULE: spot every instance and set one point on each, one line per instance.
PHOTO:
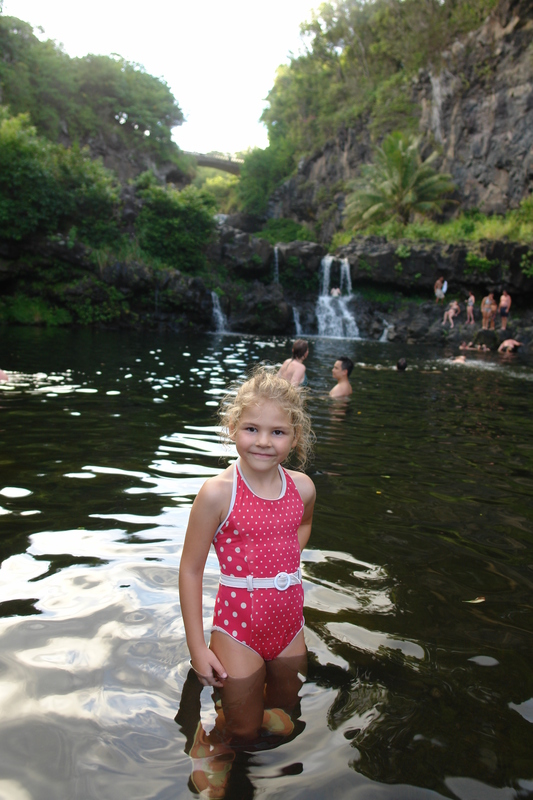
(285, 577)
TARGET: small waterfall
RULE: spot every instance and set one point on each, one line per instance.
(276, 264)
(436, 106)
(385, 335)
(296, 318)
(219, 318)
(346, 278)
(333, 315)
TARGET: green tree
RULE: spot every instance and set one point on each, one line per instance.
(46, 188)
(175, 226)
(79, 99)
(397, 185)
(261, 172)
(32, 199)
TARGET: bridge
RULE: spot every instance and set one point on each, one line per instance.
(232, 165)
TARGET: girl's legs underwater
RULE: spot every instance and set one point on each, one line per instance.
(254, 687)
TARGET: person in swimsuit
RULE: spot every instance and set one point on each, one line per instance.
(437, 288)
(342, 369)
(258, 516)
(486, 310)
(505, 305)
(453, 310)
(470, 303)
(293, 369)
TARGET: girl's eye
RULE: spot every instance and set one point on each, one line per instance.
(250, 428)
(278, 433)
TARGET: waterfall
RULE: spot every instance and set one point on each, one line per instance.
(385, 335)
(276, 264)
(296, 318)
(346, 278)
(333, 315)
(219, 318)
(436, 106)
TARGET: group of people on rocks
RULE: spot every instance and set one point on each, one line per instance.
(490, 307)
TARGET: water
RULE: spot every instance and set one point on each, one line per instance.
(219, 318)
(333, 314)
(297, 323)
(276, 264)
(424, 483)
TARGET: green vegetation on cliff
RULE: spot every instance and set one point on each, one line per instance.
(47, 189)
(358, 60)
(397, 185)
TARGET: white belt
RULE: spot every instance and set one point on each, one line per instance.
(281, 581)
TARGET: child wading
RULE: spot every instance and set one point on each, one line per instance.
(258, 516)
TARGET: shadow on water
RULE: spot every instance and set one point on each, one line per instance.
(417, 579)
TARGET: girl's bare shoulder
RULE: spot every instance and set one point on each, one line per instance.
(304, 484)
(216, 491)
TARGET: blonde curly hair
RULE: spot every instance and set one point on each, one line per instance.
(265, 384)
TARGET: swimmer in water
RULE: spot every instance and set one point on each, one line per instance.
(342, 368)
(293, 369)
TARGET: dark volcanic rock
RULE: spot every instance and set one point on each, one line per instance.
(263, 309)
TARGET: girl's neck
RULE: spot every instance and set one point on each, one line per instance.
(267, 485)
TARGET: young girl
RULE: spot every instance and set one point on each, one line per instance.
(258, 516)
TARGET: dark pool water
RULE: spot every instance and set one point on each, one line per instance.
(424, 483)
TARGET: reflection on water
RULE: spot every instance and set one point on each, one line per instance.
(424, 480)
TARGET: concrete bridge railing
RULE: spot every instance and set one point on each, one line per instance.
(231, 165)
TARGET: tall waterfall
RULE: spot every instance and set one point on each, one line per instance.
(276, 264)
(333, 315)
(297, 323)
(219, 318)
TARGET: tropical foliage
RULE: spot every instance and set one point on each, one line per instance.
(46, 189)
(398, 184)
(355, 68)
(174, 227)
(75, 99)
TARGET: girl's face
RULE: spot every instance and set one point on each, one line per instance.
(263, 435)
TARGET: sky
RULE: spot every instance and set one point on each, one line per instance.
(218, 58)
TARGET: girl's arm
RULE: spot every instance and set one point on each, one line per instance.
(307, 491)
(206, 515)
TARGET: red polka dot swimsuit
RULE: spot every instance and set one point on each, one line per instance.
(259, 538)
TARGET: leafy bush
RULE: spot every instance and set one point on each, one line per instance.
(32, 199)
(477, 263)
(45, 188)
(80, 98)
(261, 173)
(526, 264)
(221, 185)
(26, 310)
(175, 226)
(285, 230)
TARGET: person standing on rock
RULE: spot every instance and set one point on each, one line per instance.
(470, 303)
(505, 305)
(486, 310)
(293, 369)
(439, 293)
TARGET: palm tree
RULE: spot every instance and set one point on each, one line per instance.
(398, 184)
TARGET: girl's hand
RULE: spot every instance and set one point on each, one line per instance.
(208, 668)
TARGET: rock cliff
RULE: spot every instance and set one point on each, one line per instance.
(477, 105)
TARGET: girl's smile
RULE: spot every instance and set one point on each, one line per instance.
(264, 435)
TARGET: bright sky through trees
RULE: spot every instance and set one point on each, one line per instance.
(218, 58)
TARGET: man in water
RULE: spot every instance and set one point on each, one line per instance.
(293, 369)
(509, 346)
(341, 370)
